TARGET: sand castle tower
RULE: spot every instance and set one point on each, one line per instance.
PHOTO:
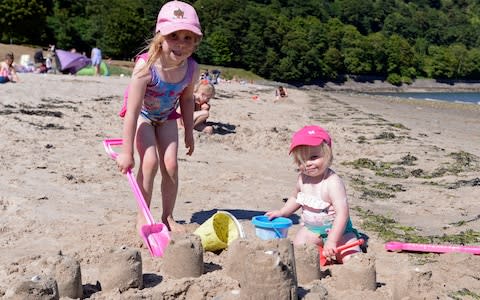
(183, 256)
(121, 269)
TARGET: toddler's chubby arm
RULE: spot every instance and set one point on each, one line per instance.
(290, 206)
(338, 197)
(140, 78)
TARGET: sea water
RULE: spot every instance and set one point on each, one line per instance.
(458, 97)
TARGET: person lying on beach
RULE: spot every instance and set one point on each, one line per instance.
(321, 194)
(204, 91)
(280, 92)
(162, 78)
(7, 70)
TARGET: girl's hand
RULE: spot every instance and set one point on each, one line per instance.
(125, 162)
(274, 214)
(189, 142)
(329, 250)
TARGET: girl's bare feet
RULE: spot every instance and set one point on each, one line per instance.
(174, 226)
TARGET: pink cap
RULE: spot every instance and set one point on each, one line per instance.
(177, 15)
(310, 136)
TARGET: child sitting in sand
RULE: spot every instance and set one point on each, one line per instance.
(321, 194)
(204, 91)
(7, 70)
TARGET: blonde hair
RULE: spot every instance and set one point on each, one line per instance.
(205, 86)
(155, 48)
(302, 153)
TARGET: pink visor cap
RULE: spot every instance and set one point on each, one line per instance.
(177, 15)
(310, 136)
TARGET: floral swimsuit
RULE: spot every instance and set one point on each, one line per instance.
(161, 98)
(318, 215)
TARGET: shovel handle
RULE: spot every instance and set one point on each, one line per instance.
(434, 248)
(107, 144)
(323, 259)
(131, 179)
(350, 245)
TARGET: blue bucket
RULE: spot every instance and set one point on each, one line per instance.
(267, 229)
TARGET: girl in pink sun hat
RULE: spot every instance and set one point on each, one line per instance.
(162, 78)
(321, 194)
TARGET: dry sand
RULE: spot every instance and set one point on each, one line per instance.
(59, 191)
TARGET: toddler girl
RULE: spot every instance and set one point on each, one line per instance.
(321, 194)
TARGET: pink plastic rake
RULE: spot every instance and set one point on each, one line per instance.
(400, 246)
(155, 235)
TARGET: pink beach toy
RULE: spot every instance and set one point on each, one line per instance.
(400, 246)
(155, 235)
(323, 259)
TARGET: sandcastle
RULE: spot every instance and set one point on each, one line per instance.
(252, 269)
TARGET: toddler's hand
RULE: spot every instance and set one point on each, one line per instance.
(329, 250)
(125, 162)
(205, 106)
(273, 214)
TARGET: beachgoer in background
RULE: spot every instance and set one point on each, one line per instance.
(96, 58)
(7, 69)
(203, 92)
(206, 76)
(49, 63)
(321, 194)
(215, 76)
(38, 58)
(280, 92)
(163, 77)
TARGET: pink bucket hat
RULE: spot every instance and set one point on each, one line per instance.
(310, 136)
(177, 15)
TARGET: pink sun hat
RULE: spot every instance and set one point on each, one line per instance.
(177, 15)
(310, 136)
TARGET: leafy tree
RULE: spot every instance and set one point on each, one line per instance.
(441, 63)
(400, 57)
(22, 21)
(333, 63)
(359, 13)
(118, 27)
(215, 49)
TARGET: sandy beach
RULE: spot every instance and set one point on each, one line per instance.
(411, 169)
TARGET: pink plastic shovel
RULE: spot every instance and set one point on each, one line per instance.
(323, 259)
(399, 246)
(155, 235)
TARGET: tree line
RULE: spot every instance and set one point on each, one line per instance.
(297, 41)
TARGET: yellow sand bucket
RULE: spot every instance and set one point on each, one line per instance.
(219, 231)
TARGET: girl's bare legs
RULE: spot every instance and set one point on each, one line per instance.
(147, 150)
(305, 236)
(200, 117)
(346, 254)
(167, 141)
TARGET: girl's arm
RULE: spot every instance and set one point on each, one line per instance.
(13, 73)
(290, 206)
(338, 197)
(136, 93)
(187, 104)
